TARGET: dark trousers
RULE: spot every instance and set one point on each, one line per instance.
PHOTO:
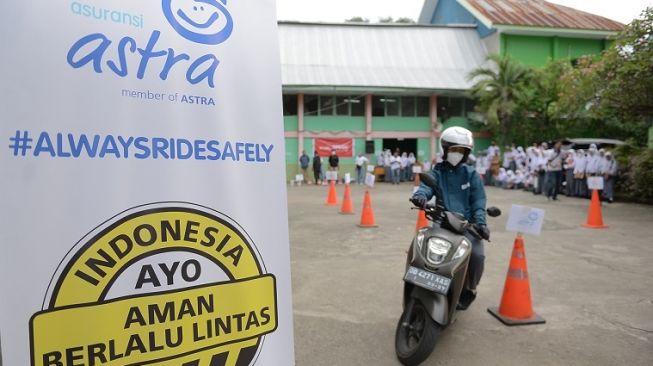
(553, 179)
(540, 183)
(571, 182)
(476, 262)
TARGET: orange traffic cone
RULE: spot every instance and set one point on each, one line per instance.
(516, 307)
(594, 217)
(347, 207)
(367, 215)
(332, 198)
(421, 220)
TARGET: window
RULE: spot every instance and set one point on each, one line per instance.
(289, 105)
(456, 107)
(391, 105)
(310, 105)
(469, 106)
(326, 105)
(408, 106)
(422, 107)
(444, 112)
(342, 106)
(378, 106)
(357, 106)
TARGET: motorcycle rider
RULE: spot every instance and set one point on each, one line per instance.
(461, 190)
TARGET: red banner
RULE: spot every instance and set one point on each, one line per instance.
(344, 147)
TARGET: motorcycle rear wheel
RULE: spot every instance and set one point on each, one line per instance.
(415, 338)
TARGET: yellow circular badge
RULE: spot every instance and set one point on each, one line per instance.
(164, 284)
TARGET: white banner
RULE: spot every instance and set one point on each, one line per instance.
(595, 183)
(369, 180)
(134, 224)
(524, 219)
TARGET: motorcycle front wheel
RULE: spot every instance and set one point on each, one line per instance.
(415, 338)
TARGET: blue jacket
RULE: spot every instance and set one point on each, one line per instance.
(461, 191)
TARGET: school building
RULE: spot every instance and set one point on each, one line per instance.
(363, 88)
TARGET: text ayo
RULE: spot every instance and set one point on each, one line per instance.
(66, 146)
(93, 48)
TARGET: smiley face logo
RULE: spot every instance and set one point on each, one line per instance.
(200, 21)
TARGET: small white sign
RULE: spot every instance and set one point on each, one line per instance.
(370, 168)
(369, 179)
(331, 175)
(299, 177)
(347, 178)
(595, 183)
(524, 219)
(417, 169)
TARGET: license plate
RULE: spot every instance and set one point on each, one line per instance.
(428, 280)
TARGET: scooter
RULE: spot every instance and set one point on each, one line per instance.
(435, 279)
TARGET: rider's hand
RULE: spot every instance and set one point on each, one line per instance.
(483, 231)
(419, 201)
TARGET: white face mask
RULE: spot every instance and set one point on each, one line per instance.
(454, 158)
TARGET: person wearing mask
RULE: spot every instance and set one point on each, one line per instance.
(493, 150)
(580, 163)
(387, 158)
(395, 168)
(460, 190)
(361, 162)
(539, 162)
(507, 158)
(404, 165)
(334, 161)
(554, 171)
(304, 161)
(411, 162)
(317, 168)
(481, 166)
(568, 167)
(593, 164)
(610, 176)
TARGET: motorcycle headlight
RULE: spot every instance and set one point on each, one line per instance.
(462, 249)
(437, 250)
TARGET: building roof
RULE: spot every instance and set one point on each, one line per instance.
(347, 56)
(537, 13)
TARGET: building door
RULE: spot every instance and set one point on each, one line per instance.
(404, 145)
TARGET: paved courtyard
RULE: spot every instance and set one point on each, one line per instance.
(593, 287)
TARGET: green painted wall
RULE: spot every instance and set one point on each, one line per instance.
(290, 123)
(423, 149)
(536, 51)
(334, 123)
(401, 124)
(573, 48)
(481, 144)
(291, 151)
(456, 121)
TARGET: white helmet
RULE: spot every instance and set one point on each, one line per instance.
(456, 136)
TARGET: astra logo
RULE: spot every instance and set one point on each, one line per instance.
(199, 21)
(205, 22)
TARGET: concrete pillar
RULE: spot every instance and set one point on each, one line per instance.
(435, 126)
(368, 117)
(300, 124)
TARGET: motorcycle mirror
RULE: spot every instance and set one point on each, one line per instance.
(429, 180)
(493, 211)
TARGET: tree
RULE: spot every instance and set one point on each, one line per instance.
(500, 89)
(357, 20)
(612, 95)
(405, 20)
(385, 20)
